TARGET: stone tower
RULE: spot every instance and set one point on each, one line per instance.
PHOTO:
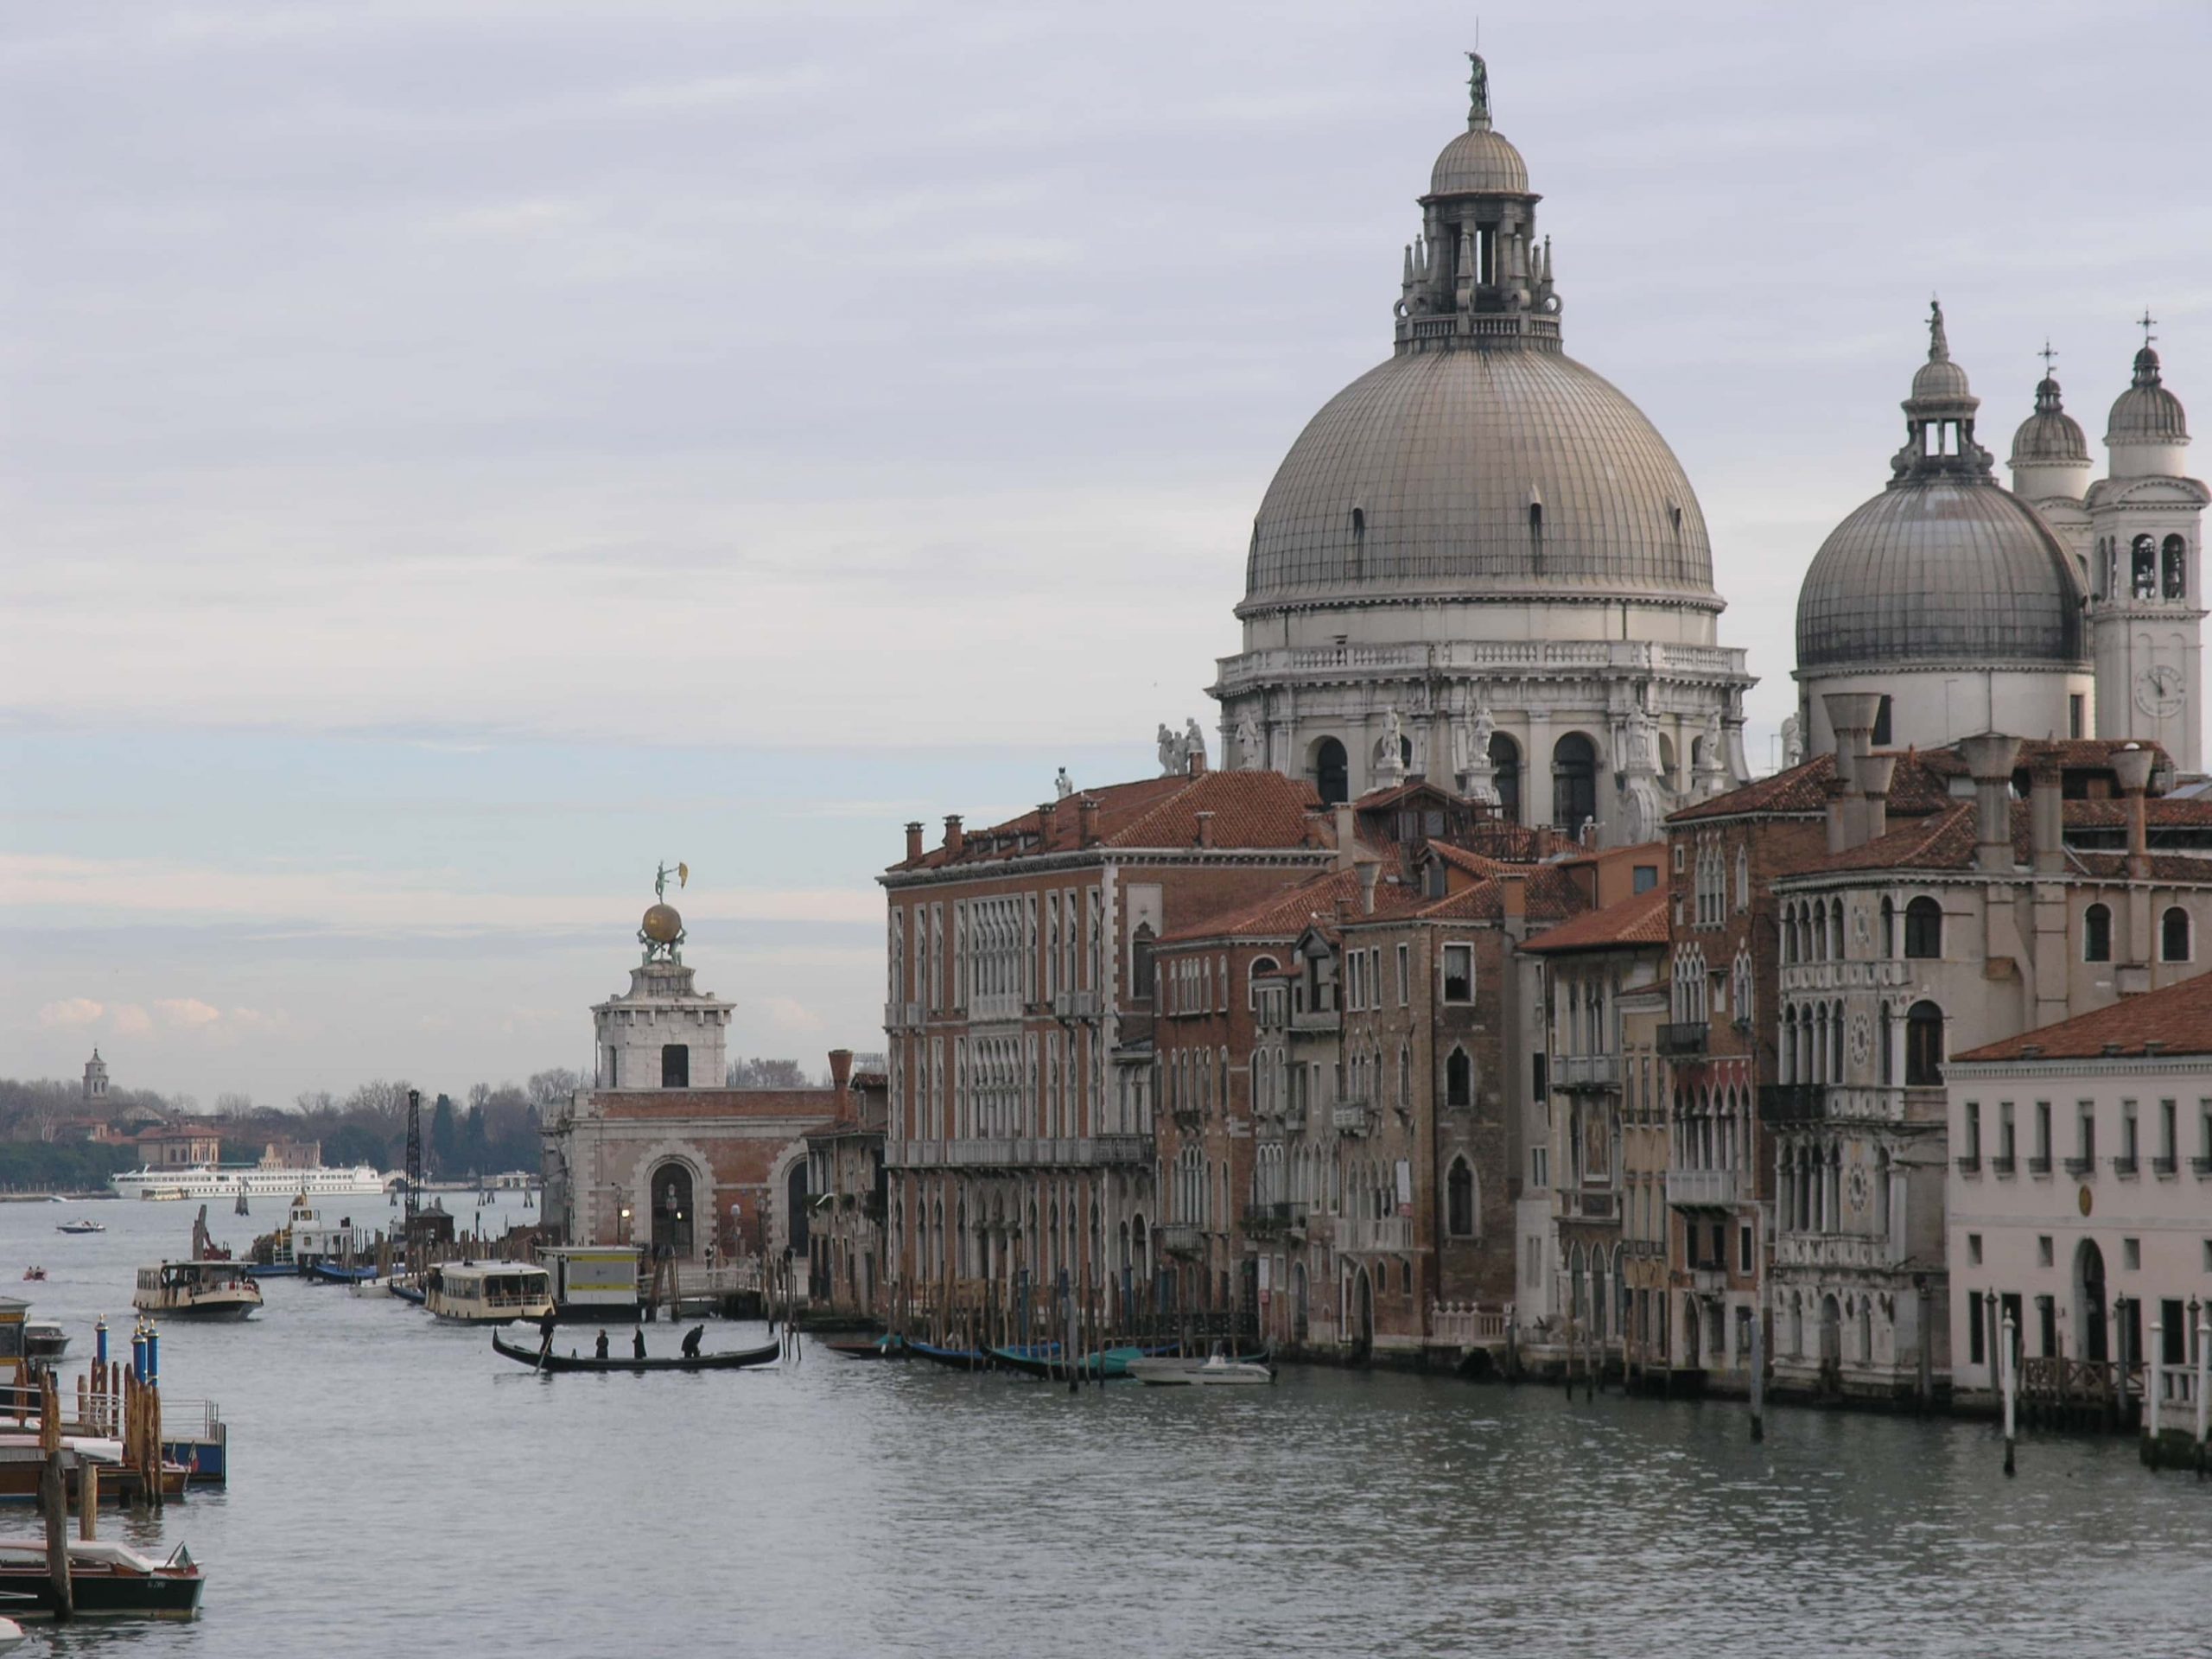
(95, 1079)
(2147, 608)
(664, 1032)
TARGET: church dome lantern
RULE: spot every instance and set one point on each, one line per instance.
(2148, 429)
(2050, 454)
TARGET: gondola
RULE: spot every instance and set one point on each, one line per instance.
(766, 1355)
(1114, 1362)
(329, 1273)
(960, 1359)
(881, 1348)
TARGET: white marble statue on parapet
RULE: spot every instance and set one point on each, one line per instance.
(1390, 758)
(1171, 752)
(1194, 745)
(1250, 752)
(1063, 785)
(1712, 776)
(1793, 743)
(1478, 773)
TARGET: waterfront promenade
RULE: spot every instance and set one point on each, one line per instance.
(836, 1508)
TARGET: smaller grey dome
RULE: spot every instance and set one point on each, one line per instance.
(1940, 381)
(1479, 162)
(2050, 436)
(2146, 412)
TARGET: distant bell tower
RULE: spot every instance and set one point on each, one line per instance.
(2146, 606)
(95, 1079)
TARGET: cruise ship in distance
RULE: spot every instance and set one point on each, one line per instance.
(255, 1181)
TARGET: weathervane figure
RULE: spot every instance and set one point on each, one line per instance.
(1477, 86)
(680, 872)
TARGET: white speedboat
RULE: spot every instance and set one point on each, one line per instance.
(1215, 1371)
(82, 1224)
(487, 1292)
(197, 1290)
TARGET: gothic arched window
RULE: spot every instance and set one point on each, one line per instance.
(1458, 1079)
(1459, 1200)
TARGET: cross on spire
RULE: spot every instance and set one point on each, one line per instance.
(2048, 355)
(2146, 322)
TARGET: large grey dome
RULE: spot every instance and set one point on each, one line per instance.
(1941, 570)
(1477, 473)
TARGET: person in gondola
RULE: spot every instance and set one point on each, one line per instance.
(599, 1353)
(545, 1327)
(691, 1341)
(638, 1342)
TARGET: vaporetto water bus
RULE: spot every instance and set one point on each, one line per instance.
(487, 1292)
(203, 1181)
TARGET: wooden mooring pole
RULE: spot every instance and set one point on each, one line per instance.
(54, 1498)
(2008, 1384)
(1759, 1377)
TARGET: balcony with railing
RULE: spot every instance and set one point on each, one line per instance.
(1273, 1220)
(2081, 1168)
(1000, 1152)
(1969, 1163)
(1704, 1189)
(2038, 1166)
(2201, 1165)
(1585, 1073)
(1388, 1233)
(1179, 1238)
(1782, 1103)
(1683, 1039)
(2002, 1164)
(1352, 1118)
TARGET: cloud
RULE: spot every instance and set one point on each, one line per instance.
(788, 1013)
(71, 1011)
(131, 1020)
(186, 1013)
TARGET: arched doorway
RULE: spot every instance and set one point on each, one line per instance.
(1830, 1340)
(1691, 1337)
(672, 1212)
(2091, 1314)
(1332, 771)
(795, 1196)
(1362, 1315)
(1505, 773)
(1574, 783)
(1299, 1310)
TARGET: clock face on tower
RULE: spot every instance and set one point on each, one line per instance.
(2161, 691)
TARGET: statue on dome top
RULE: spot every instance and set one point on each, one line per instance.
(1478, 86)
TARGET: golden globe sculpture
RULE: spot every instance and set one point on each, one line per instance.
(662, 924)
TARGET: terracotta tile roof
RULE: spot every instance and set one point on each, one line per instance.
(2178, 1018)
(1920, 784)
(1461, 858)
(1286, 915)
(1548, 893)
(1639, 919)
(1946, 841)
(1250, 809)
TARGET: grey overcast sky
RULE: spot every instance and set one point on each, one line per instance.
(454, 454)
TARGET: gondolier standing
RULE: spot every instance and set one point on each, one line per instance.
(546, 1333)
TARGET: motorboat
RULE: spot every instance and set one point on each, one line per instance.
(1217, 1369)
(105, 1581)
(197, 1290)
(81, 1225)
(736, 1360)
(487, 1292)
(33, 1274)
(45, 1340)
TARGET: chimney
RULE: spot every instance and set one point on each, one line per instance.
(2047, 818)
(955, 842)
(1048, 819)
(1513, 898)
(1851, 717)
(1369, 874)
(1989, 759)
(1875, 773)
(2133, 764)
(1086, 817)
(1839, 823)
(1197, 762)
(841, 1074)
(1205, 829)
(1347, 841)
(914, 841)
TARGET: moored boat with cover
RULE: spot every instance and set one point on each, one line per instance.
(197, 1290)
(737, 1360)
(487, 1292)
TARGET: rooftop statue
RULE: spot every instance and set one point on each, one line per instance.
(680, 872)
(1478, 86)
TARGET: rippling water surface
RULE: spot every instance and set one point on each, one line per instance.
(398, 1488)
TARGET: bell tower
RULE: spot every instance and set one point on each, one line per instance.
(2147, 609)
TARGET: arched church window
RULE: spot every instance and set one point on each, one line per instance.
(1889, 928)
(1458, 1079)
(1923, 1047)
(1141, 969)
(2174, 557)
(2173, 936)
(1332, 771)
(1574, 783)
(2096, 934)
(2143, 567)
(1924, 929)
(1505, 772)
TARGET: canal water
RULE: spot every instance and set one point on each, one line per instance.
(398, 1488)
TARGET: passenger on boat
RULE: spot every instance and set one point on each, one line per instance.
(599, 1353)
(638, 1342)
(691, 1341)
